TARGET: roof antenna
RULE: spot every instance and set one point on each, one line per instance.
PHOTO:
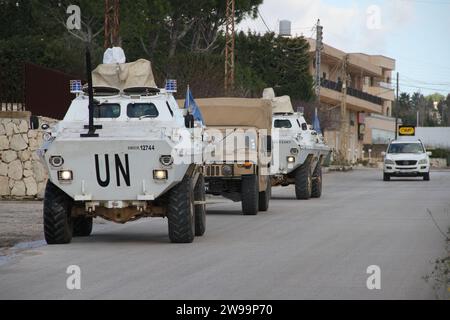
(92, 102)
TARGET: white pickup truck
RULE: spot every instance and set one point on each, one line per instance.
(406, 158)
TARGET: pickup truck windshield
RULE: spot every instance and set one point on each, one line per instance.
(406, 148)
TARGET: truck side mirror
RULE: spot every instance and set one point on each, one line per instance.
(383, 154)
(429, 153)
(269, 144)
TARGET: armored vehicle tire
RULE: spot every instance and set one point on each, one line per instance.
(316, 189)
(180, 212)
(303, 182)
(200, 209)
(58, 222)
(250, 195)
(82, 226)
(386, 177)
(264, 197)
(426, 176)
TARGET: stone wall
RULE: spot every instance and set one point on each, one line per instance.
(22, 176)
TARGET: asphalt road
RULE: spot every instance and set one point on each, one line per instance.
(316, 249)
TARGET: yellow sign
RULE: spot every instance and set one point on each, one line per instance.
(407, 131)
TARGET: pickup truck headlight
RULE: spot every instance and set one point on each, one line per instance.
(388, 161)
(423, 161)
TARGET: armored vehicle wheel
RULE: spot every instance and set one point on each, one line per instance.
(180, 212)
(58, 222)
(426, 176)
(200, 209)
(303, 182)
(250, 195)
(316, 189)
(264, 197)
(82, 226)
(386, 177)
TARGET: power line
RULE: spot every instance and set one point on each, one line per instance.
(264, 21)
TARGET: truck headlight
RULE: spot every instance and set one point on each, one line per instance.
(160, 174)
(290, 159)
(56, 161)
(227, 170)
(65, 175)
(423, 161)
(387, 161)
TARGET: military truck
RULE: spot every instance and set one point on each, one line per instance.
(238, 168)
(298, 151)
(137, 160)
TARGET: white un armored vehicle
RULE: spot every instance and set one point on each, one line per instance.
(298, 151)
(137, 160)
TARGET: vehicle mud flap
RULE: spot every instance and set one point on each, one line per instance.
(200, 207)
(181, 212)
(264, 197)
(250, 195)
(58, 222)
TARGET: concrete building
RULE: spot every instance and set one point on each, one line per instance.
(370, 97)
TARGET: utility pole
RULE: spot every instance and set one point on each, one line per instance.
(229, 45)
(397, 105)
(111, 23)
(319, 47)
(343, 144)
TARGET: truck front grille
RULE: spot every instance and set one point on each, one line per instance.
(406, 162)
(213, 171)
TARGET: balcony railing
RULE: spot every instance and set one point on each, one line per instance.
(337, 86)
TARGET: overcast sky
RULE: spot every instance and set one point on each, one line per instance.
(414, 32)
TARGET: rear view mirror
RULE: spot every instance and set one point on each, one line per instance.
(45, 126)
(383, 154)
(269, 144)
(429, 153)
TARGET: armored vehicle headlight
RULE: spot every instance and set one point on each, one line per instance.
(227, 170)
(160, 174)
(166, 160)
(294, 151)
(65, 175)
(290, 159)
(56, 161)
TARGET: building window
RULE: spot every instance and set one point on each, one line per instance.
(387, 111)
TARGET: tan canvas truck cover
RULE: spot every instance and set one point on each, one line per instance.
(281, 104)
(125, 75)
(236, 112)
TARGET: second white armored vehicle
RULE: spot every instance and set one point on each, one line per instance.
(137, 160)
(298, 151)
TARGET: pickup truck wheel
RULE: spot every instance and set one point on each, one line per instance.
(303, 182)
(82, 226)
(316, 189)
(386, 177)
(426, 176)
(58, 222)
(250, 195)
(180, 212)
(200, 209)
(264, 197)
